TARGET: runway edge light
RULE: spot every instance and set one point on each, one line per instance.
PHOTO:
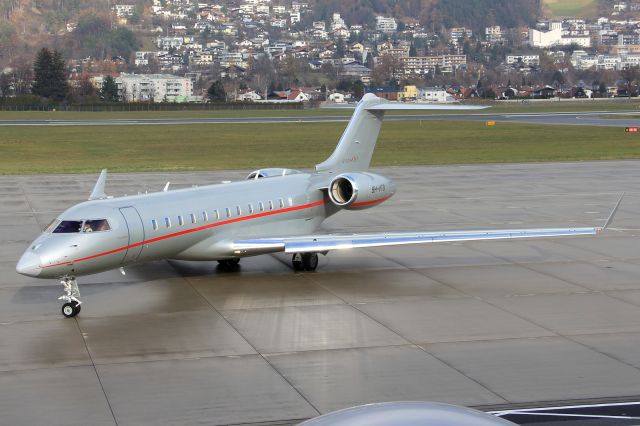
(490, 123)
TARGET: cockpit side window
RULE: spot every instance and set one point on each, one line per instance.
(51, 226)
(68, 227)
(96, 225)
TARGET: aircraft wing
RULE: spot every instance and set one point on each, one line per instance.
(328, 242)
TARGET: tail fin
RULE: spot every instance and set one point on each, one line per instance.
(355, 149)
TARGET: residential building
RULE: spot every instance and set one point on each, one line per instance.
(386, 25)
(529, 60)
(154, 87)
(545, 39)
(421, 65)
(493, 34)
(124, 10)
(434, 94)
(458, 34)
(166, 43)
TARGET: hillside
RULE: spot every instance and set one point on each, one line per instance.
(565, 8)
(475, 14)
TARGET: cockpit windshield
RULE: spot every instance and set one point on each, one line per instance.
(68, 227)
(51, 226)
(76, 226)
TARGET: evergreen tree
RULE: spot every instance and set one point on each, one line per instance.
(412, 50)
(216, 92)
(109, 90)
(50, 79)
(358, 90)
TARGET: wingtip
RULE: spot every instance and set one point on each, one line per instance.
(613, 213)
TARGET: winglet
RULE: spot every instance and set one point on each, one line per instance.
(98, 190)
(612, 214)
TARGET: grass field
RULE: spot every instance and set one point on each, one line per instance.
(571, 8)
(77, 149)
(496, 107)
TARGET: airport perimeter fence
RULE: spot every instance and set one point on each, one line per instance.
(134, 107)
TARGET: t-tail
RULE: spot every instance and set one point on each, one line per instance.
(355, 149)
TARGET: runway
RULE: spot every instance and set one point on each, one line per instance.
(557, 118)
(495, 325)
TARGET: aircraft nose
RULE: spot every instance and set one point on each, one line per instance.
(29, 264)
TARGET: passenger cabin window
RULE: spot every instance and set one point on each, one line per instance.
(68, 227)
(167, 222)
(270, 205)
(216, 215)
(228, 211)
(290, 202)
(96, 225)
(205, 217)
(180, 221)
(154, 223)
(281, 202)
(250, 208)
(238, 211)
(261, 206)
(193, 218)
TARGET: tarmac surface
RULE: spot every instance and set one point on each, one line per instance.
(556, 118)
(494, 325)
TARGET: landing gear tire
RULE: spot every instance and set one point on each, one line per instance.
(71, 309)
(310, 261)
(297, 263)
(305, 262)
(229, 263)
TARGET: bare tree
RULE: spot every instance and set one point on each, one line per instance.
(261, 83)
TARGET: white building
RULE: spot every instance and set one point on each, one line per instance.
(555, 37)
(545, 38)
(124, 10)
(529, 60)
(434, 94)
(386, 25)
(166, 43)
(493, 34)
(156, 87)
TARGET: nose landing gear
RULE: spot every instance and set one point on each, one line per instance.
(72, 306)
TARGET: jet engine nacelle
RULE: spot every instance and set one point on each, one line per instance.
(360, 190)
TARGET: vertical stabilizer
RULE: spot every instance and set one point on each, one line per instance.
(358, 141)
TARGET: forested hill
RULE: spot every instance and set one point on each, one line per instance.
(475, 14)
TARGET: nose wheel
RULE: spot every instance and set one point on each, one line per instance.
(71, 307)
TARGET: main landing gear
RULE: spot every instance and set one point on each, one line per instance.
(305, 261)
(72, 306)
(229, 263)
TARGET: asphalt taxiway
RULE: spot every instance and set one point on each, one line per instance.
(493, 325)
(556, 118)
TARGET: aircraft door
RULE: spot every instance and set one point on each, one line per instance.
(136, 233)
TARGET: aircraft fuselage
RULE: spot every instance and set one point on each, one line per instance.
(191, 224)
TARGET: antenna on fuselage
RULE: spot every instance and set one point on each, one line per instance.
(98, 189)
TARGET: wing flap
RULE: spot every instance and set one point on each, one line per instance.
(323, 243)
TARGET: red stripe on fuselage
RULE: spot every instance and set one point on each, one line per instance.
(189, 231)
